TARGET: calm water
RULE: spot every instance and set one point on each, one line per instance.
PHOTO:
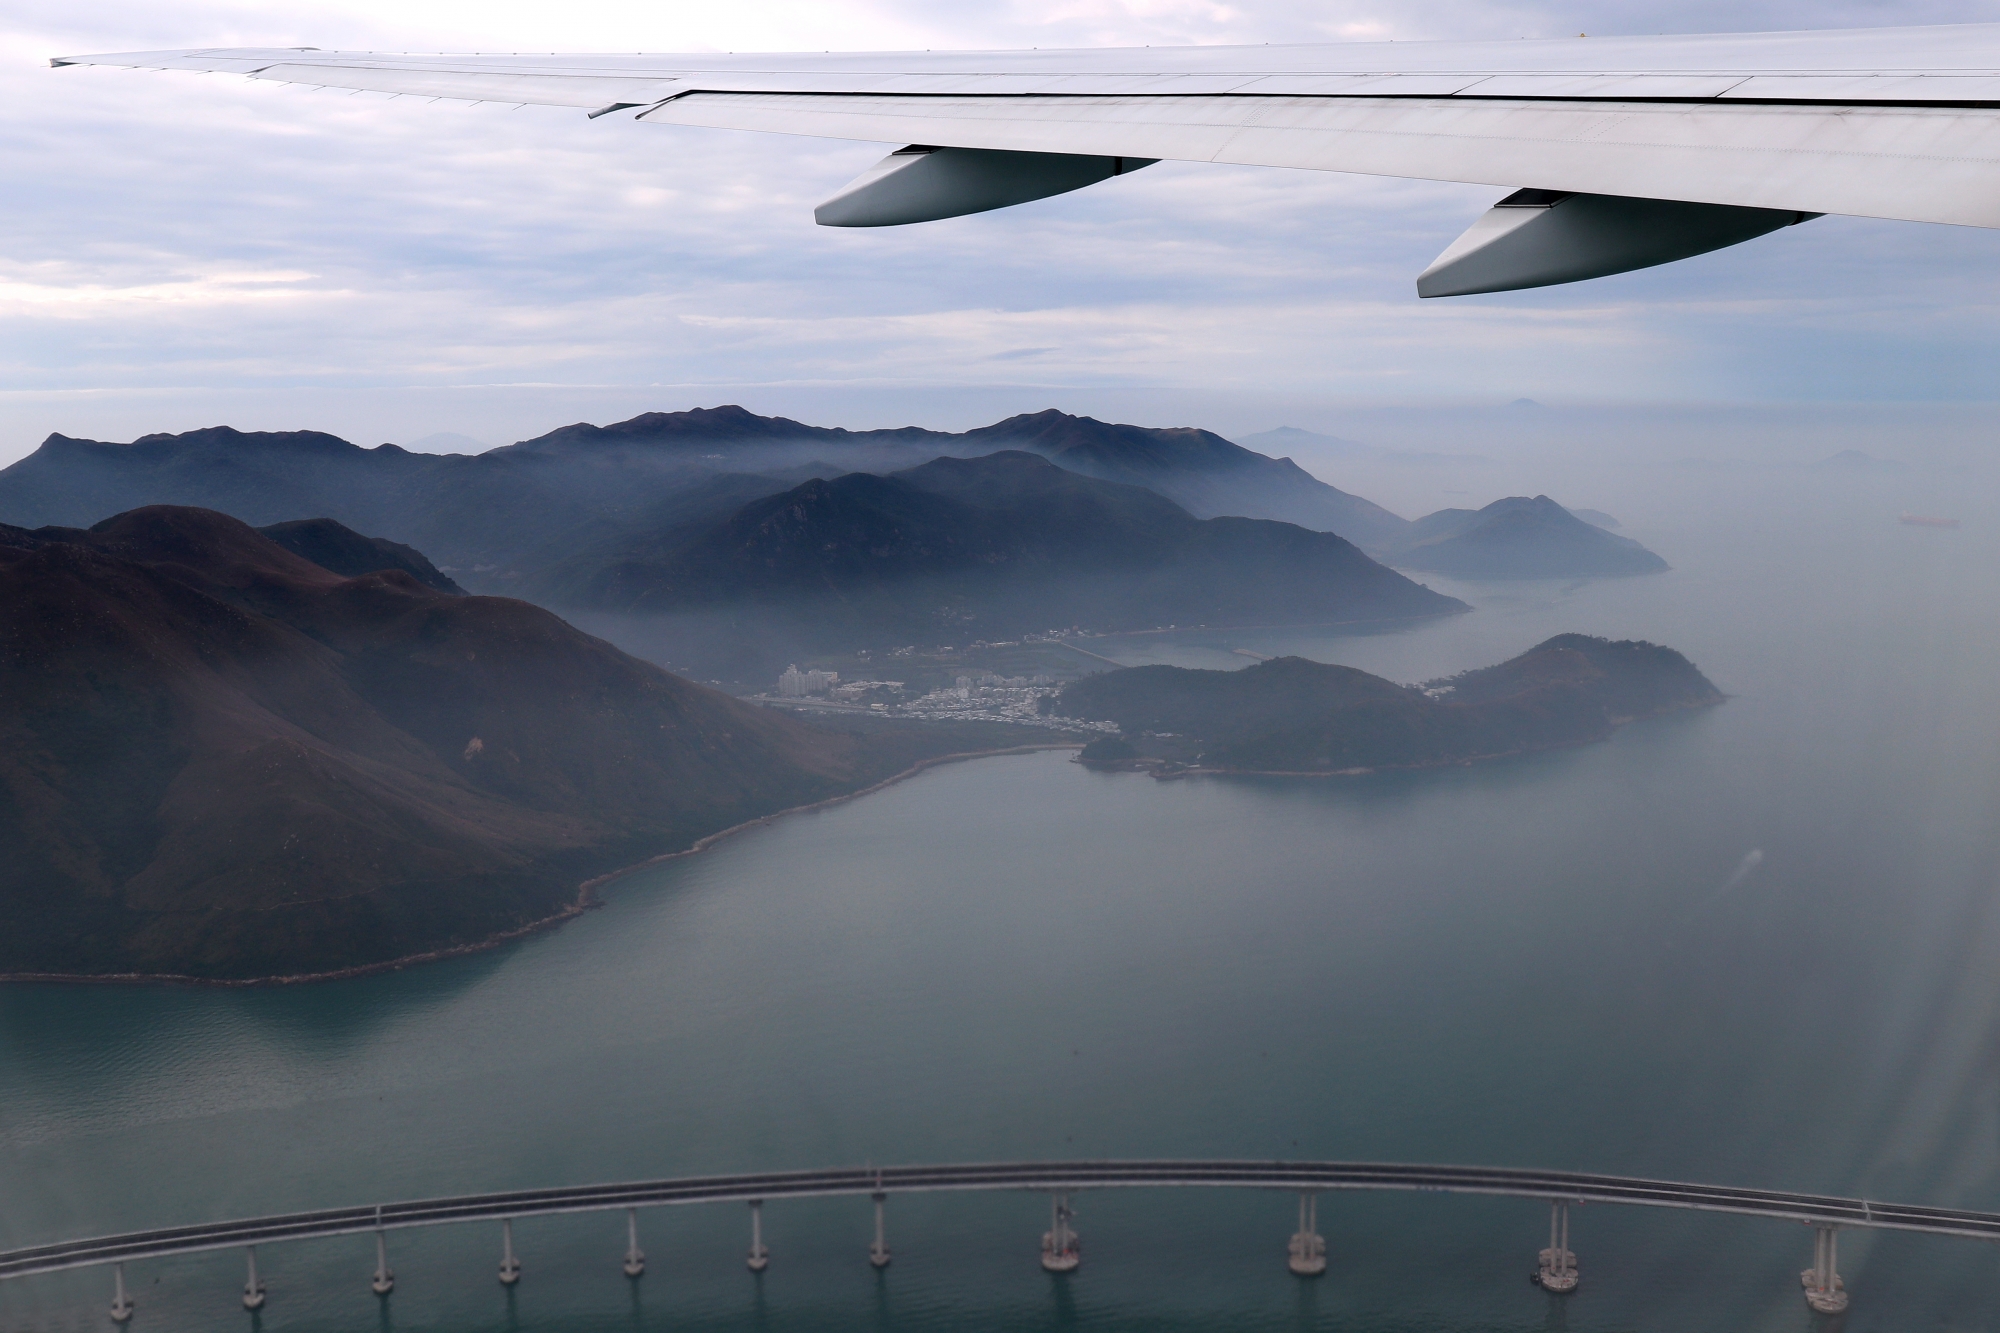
(1552, 962)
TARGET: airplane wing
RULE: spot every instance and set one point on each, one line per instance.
(1621, 152)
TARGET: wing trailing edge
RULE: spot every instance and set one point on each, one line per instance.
(1658, 147)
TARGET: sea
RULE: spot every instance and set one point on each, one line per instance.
(1754, 945)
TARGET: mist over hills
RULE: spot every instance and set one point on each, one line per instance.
(990, 547)
(223, 760)
(685, 515)
(1197, 469)
(490, 518)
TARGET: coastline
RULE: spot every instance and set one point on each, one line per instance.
(586, 898)
(1169, 773)
(1417, 619)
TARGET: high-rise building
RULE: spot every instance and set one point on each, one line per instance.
(795, 683)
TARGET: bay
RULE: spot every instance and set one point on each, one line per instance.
(1757, 945)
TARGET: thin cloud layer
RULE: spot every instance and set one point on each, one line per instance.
(184, 250)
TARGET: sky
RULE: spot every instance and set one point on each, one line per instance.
(184, 251)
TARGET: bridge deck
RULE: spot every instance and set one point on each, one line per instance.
(1822, 1210)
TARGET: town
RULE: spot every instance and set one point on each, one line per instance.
(983, 697)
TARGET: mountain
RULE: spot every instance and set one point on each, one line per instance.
(1292, 715)
(494, 518)
(222, 760)
(994, 546)
(486, 519)
(1199, 470)
(344, 551)
(1854, 462)
(1519, 538)
(479, 517)
(715, 433)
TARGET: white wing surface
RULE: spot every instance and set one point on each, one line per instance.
(1899, 123)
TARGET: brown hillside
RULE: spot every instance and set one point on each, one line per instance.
(219, 759)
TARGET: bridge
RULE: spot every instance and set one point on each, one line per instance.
(1557, 1272)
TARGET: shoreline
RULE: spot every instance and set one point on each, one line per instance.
(586, 898)
(1155, 772)
(1418, 619)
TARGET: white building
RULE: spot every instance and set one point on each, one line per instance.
(795, 684)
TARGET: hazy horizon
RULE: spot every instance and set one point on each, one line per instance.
(1415, 459)
(389, 269)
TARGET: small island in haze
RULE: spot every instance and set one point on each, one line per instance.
(1521, 537)
(1290, 715)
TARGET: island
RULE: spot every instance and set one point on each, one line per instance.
(1521, 537)
(1291, 715)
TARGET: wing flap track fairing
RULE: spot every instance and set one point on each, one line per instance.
(1539, 238)
(923, 184)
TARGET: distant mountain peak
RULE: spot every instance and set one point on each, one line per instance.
(1046, 415)
(1854, 460)
(696, 425)
(1518, 537)
(227, 437)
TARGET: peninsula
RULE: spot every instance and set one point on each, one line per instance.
(1290, 715)
(224, 761)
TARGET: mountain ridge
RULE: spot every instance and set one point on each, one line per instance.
(995, 546)
(493, 517)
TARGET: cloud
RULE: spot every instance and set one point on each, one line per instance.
(181, 249)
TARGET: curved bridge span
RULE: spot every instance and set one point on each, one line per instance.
(1061, 1179)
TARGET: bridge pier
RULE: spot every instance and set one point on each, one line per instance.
(1825, 1292)
(635, 1258)
(1061, 1251)
(760, 1258)
(253, 1290)
(1558, 1262)
(878, 1253)
(121, 1304)
(1308, 1247)
(510, 1267)
(384, 1281)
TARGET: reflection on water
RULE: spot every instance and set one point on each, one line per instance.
(1756, 945)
